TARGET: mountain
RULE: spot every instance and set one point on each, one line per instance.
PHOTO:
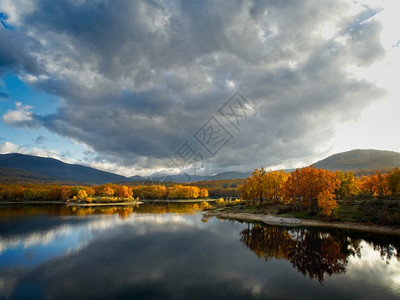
(360, 160)
(12, 175)
(23, 167)
(230, 175)
(192, 178)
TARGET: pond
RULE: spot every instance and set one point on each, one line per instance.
(172, 252)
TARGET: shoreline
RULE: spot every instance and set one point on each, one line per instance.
(104, 204)
(294, 222)
(72, 203)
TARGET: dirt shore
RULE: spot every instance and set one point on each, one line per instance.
(284, 221)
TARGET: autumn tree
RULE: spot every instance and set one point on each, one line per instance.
(365, 185)
(108, 191)
(380, 184)
(309, 186)
(272, 184)
(263, 185)
(327, 202)
(183, 192)
(66, 193)
(203, 193)
(393, 180)
(348, 187)
(124, 191)
(248, 190)
(89, 191)
(81, 195)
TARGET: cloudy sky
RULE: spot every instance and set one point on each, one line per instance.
(137, 87)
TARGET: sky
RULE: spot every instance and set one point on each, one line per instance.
(198, 87)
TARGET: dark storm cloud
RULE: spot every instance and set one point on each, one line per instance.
(137, 79)
(14, 55)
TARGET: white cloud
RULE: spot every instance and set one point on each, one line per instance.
(8, 147)
(21, 116)
(16, 9)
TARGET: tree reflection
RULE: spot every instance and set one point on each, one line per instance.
(123, 211)
(312, 253)
(388, 246)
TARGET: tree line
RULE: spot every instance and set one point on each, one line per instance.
(311, 189)
(29, 192)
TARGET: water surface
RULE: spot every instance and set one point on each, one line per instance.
(169, 252)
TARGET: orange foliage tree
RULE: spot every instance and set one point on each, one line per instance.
(124, 191)
(380, 184)
(108, 191)
(377, 184)
(89, 191)
(66, 193)
(365, 185)
(311, 189)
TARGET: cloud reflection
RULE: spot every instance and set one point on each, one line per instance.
(178, 256)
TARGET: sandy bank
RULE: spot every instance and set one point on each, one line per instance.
(283, 221)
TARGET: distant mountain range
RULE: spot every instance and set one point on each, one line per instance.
(16, 167)
(192, 178)
(21, 168)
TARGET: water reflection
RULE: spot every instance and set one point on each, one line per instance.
(27, 232)
(150, 253)
(313, 253)
(123, 211)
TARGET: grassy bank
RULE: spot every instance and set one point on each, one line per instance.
(367, 210)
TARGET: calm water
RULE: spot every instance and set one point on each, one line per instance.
(164, 253)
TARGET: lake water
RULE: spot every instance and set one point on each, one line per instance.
(164, 252)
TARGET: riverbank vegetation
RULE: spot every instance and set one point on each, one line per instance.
(315, 193)
(98, 194)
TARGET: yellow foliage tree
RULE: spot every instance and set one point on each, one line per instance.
(348, 187)
(183, 192)
(203, 193)
(81, 195)
(263, 185)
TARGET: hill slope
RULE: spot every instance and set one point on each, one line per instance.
(360, 160)
(50, 169)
